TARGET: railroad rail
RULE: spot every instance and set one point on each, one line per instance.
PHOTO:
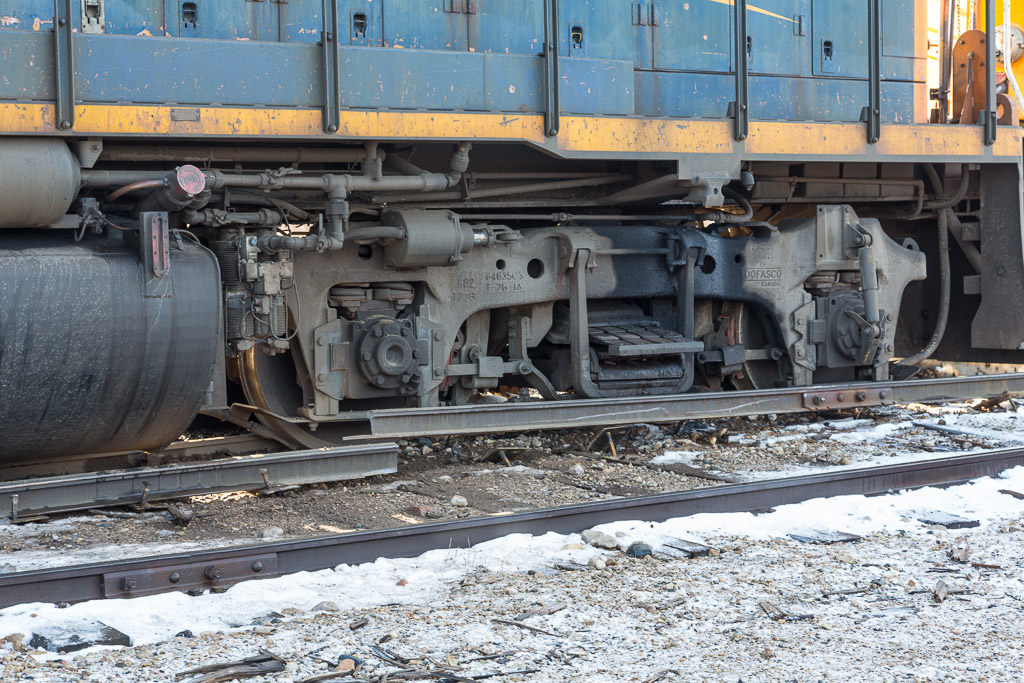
(141, 485)
(67, 488)
(217, 569)
(484, 419)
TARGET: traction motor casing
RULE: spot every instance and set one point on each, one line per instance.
(88, 362)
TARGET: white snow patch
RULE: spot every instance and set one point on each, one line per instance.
(156, 618)
(675, 458)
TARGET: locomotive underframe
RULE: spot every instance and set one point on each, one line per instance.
(353, 280)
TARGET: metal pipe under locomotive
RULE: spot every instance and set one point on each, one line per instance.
(302, 211)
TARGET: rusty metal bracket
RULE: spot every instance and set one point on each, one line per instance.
(192, 578)
(846, 398)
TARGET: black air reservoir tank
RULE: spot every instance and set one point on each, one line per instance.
(90, 360)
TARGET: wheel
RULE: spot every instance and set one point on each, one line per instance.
(743, 324)
(274, 383)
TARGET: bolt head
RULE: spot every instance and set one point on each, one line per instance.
(322, 377)
(257, 566)
(175, 577)
(861, 396)
(840, 397)
(320, 341)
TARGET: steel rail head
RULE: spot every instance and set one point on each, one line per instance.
(216, 569)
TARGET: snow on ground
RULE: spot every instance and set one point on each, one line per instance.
(636, 619)
(912, 436)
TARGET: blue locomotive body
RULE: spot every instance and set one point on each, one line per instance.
(808, 59)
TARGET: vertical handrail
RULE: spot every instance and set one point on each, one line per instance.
(332, 82)
(740, 106)
(872, 114)
(550, 55)
(63, 65)
(989, 115)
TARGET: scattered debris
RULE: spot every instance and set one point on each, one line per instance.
(358, 624)
(611, 444)
(940, 591)
(776, 614)
(825, 537)
(995, 402)
(939, 518)
(508, 622)
(16, 640)
(675, 468)
(498, 655)
(273, 532)
(330, 676)
(541, 611)
(689, 549)
(982, 565)
(600, 539)
(846, 591)
(639, 549)
(501, 454)
(597, 563)
(459, 501)
(961, 550)
(114, 514)
(258, 665)
(85, 635)
(389, 656)
(181, 515)
(425, 511)
(325, 606)
(349, 663)
(891, 612)
(1015, 494)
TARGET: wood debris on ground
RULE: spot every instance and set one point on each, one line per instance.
(264, 663)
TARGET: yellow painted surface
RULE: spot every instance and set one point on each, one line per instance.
(579, 134)
(648, 136)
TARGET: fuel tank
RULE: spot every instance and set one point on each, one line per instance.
(92, 358)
